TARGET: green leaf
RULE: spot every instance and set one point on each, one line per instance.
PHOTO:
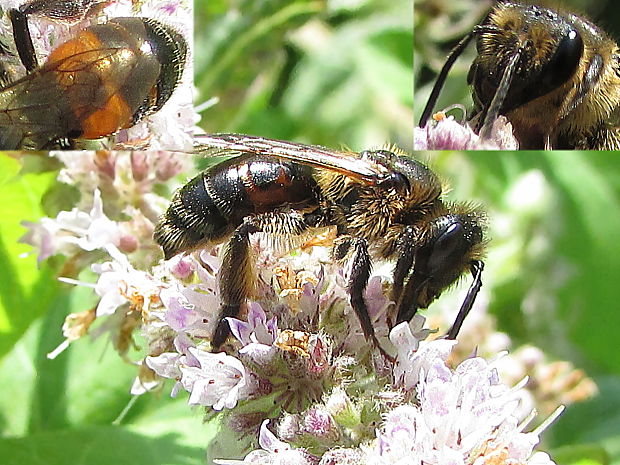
(9, 167)
(384, 70)
(581, 454)
(24, 289)
(99, 445)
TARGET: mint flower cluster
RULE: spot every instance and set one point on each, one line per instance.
(445, 133)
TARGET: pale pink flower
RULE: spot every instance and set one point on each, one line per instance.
(220, 381)
(273, 452)
(74, 230)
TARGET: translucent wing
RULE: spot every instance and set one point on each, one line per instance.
(351, 164)
(42, 106)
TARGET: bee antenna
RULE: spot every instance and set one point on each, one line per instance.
(443, 74)
(476, 271)
(492, 111)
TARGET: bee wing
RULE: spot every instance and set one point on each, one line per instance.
(31, 110)
(51, 102)
(350, 164)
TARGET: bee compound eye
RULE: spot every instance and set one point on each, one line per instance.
(449, 246)
(397, 181)
(564, 61)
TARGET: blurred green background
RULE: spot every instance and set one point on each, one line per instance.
(553, 273)
(332, 72)
(440, 24)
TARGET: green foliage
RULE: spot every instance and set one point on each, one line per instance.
(311, 71)
(23, 284)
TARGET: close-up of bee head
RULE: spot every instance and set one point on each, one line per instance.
(105, 76)
(554, 75)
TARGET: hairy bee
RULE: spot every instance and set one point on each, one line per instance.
(104, 79)
(383, 205)
(553, 74)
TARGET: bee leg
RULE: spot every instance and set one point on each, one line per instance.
(476, 271)
(23, 39)
(236, 276)
(361, 265)
(406, 252)
(70, 11)
(235, 280)
(408, 303)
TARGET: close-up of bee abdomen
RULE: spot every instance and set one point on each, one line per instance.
(103, 76)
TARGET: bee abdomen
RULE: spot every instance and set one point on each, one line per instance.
(212, 205)
(192, 220)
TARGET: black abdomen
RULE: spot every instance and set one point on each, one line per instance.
(210, 207)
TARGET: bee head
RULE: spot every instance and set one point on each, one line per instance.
(452, 242)
(549, 46)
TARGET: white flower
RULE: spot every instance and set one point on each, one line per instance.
(462, 416)
(273, 452)
(166, 365)
(257, 334)
(74, 230)
(540, 458)
(119, 283)
(220, 381)
(444, 133)
(413, 357)
(189, 311)
(257, 329)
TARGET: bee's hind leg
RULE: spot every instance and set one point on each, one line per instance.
(237, 275)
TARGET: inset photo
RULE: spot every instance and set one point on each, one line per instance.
(508, 75)
(330, 73)
(96, 74)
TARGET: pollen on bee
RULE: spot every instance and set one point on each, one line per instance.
(439, 116)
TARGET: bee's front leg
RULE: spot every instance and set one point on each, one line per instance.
(476, 271)
(23, 39)
(406, 253)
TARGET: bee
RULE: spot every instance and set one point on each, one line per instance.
(104, 79)
(553, 74)
(383, 205)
